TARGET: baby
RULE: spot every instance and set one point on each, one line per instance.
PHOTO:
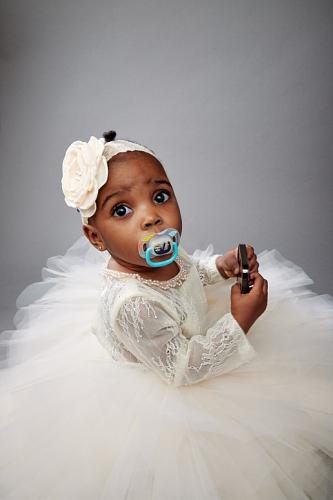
(162, 403)
(129, 200)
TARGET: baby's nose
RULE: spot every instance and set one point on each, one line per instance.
(152, 222)
(151, 219)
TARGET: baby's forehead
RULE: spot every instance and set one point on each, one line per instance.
(134, 168)
(135, 157)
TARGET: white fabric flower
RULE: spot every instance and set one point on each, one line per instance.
(84, 170)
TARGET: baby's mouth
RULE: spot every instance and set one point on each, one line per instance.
(157, 245)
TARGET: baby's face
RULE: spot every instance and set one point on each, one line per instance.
(136, 200)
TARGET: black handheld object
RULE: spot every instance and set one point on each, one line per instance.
(244, 271)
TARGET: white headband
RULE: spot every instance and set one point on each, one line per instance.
(85, 171)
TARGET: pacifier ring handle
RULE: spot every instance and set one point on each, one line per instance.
(164, 262)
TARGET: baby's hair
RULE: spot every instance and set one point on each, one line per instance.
(109, 136)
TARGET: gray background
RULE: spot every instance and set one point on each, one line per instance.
(235, 97)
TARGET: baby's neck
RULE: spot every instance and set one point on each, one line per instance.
(161, 273)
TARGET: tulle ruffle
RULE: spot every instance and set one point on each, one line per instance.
(77, 425)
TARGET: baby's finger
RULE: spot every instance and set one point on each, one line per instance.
(254, 266)
(249, 251)
(258, 281)
(252, 258)
(254, 270)
(265, 287)
(236, 289)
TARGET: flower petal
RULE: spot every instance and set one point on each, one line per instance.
(102, 172)
(84, 171)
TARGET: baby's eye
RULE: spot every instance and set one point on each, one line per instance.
(120, 211)
(162, 196)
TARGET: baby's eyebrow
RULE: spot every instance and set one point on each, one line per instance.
(128, 188)
(160, 181)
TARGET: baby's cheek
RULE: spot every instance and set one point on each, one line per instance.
(135, 256)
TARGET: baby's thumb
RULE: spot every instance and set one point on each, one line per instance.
(235, 289)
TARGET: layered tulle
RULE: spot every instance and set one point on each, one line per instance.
(77, 425)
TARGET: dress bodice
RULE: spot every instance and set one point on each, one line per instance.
(142, 319)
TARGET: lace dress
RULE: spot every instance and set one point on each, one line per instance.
(163, 324)
(117, 387)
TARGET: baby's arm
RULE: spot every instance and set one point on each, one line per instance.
(155, 338)
(206, 266)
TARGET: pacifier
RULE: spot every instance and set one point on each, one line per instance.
(157, 244)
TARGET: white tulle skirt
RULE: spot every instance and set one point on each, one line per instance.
(77, 425)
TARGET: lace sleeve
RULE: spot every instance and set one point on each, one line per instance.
(206, 266)
(155, 339)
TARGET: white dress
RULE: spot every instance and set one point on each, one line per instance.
(116, 387)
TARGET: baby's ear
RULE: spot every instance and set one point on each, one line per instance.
(93, 236)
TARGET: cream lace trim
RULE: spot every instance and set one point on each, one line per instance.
(174, 282)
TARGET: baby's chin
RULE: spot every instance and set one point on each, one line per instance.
(144, 263)
(141, 261)
(160, 258)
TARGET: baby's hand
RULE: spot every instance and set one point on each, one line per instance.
(228, 266)
(247, 307)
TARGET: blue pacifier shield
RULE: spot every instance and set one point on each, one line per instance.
(158, 244)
